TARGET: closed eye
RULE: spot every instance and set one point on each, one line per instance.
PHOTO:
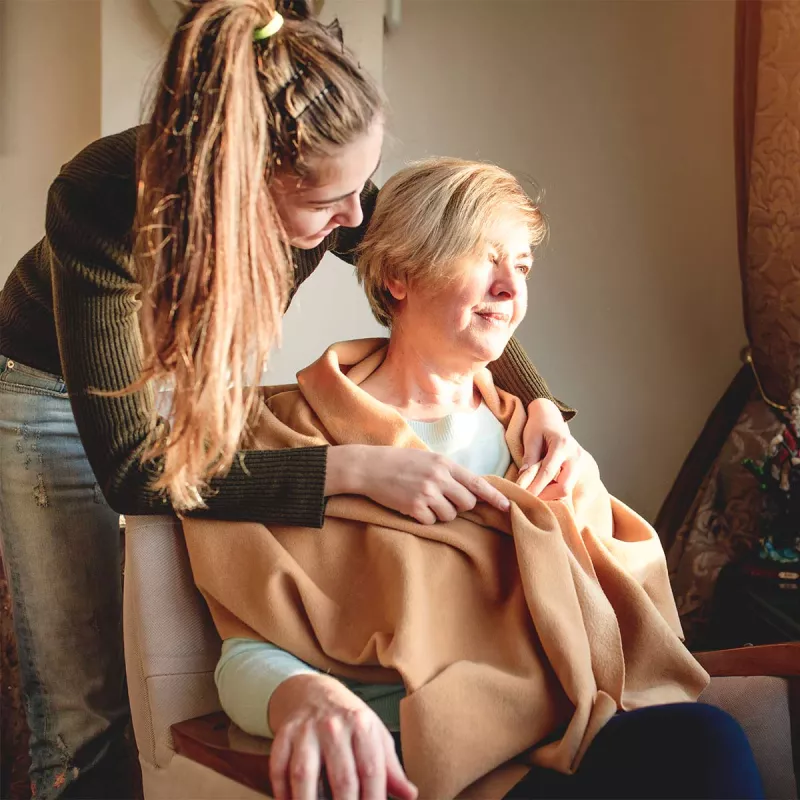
(327, 206)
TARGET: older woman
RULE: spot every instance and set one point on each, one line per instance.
(445, 266)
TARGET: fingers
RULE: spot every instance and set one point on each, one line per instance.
(548, 470)
(397, 784)
(461, 497)
(570, 472)
(448, 488)
(279, 756)
(559, 470)
(305, 764)
(553, 491)
(527, 474)
(340, 764)
(481, 488)
(370, 759)
(443, 509)
(335, 729)
(443, 495)
(422, 513)
(358, 754)
(431, 503)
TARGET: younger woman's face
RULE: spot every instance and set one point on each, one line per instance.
(312, 210)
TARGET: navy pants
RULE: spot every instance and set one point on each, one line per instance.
(685, 750)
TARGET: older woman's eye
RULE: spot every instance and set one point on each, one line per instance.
(525, 269)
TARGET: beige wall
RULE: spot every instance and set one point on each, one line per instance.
(622, 112)
(133, 46)
(50, 108)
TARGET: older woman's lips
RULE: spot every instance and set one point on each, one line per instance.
(494, 317)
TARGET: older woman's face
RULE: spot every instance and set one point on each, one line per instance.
(472, 318)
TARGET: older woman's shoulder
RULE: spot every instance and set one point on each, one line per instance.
(286, 420)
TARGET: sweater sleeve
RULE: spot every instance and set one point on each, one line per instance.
(249, 671)
(515, 373)
(247, 674)
(95, 305)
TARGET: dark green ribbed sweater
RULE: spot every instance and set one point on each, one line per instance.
(70, 308)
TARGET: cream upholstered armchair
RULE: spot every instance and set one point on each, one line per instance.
(188, 748)
(171, 650)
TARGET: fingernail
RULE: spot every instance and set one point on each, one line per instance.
(506, 504)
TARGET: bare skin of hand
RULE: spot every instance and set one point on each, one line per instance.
(552, 462)
(418, 483)
(320, 723)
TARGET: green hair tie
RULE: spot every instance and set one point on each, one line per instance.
(270, 29)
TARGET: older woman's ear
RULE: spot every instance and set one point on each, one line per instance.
(397, 289)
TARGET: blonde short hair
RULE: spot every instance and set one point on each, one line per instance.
(432, 214)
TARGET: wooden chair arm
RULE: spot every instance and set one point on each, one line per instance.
(779, 660)
(213, 742)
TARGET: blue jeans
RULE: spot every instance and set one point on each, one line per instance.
(61, 549)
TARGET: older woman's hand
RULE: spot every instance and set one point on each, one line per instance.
(552, 455)
(320, 722)
(421, 484)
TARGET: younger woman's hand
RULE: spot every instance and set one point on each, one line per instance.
(320, 723)
(552, 457)
(418, 483)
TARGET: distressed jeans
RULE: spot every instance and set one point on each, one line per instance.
(61, 549)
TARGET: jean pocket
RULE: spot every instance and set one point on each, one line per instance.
(13, 373)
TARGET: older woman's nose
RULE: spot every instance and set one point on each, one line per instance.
(504, 283)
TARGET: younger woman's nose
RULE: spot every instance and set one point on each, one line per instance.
(351, 214)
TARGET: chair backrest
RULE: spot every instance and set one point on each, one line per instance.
(171, 645)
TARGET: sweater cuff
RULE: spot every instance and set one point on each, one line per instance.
(514, 372)
(274, 487)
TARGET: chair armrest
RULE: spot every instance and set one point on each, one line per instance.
(779, 660)
(216, 743)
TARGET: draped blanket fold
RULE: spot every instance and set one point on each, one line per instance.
(507, 629)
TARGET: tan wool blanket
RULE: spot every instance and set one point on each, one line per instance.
(509, 630)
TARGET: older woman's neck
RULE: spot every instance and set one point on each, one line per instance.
(420, 385)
